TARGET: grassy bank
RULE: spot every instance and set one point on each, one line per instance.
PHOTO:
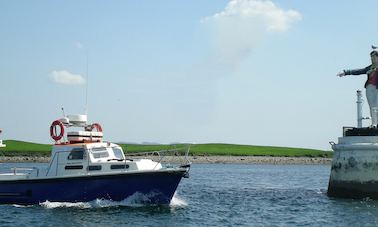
(21, 148)
(248, 150)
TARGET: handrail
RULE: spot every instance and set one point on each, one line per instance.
(153, 152)
(162, 154)
(14, 169)
(186, 155)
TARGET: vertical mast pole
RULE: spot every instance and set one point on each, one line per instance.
(359, 109)
(86, 87)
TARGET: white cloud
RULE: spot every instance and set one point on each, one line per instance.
(79, 45)
(67, 78)
(265, 11)
(243, 23)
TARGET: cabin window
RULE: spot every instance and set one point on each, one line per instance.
(92, 168)
(76, 154)
(73, 167)
(119, 166)
(100, 152)
(118, 153)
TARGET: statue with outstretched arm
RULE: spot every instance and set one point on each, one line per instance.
(371, 84)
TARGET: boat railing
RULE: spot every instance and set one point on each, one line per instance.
(173, 155)
(27, 170)
(30, 171)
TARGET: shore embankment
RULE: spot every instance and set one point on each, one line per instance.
(21, 151)
(203, 159)
(260, 160)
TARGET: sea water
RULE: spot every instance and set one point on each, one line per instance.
(215, 195)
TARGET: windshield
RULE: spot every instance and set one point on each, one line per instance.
(76, 154)
(100, 152)
(118, 153)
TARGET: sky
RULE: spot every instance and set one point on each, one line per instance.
(250, 72)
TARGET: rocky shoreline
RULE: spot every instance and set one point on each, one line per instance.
(205, 159)
(260, 160)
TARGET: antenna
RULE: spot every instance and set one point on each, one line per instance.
(86, 87)
(64, 115)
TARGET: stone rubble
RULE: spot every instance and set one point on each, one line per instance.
(202, 159)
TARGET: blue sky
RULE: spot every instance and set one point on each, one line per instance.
(244, 71)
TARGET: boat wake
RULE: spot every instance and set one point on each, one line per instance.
(177, 202)
(136, 200)
(53, 205)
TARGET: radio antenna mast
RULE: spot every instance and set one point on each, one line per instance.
(86, 86)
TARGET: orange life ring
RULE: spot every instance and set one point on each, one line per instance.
(96, 126)
(53, 131)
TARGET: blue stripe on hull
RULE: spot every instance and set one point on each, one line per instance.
(160, 186)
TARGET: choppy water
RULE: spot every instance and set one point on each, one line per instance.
(216, 195)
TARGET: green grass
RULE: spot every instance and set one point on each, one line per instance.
(248, 150)
(20, 148)
(234, 150)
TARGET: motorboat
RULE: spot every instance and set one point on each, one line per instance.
(84, 168)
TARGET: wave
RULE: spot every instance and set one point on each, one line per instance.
(177, 202)
(53, 205)
(135, 200)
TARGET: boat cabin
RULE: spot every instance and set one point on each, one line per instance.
(83, 152)
(93, 158)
